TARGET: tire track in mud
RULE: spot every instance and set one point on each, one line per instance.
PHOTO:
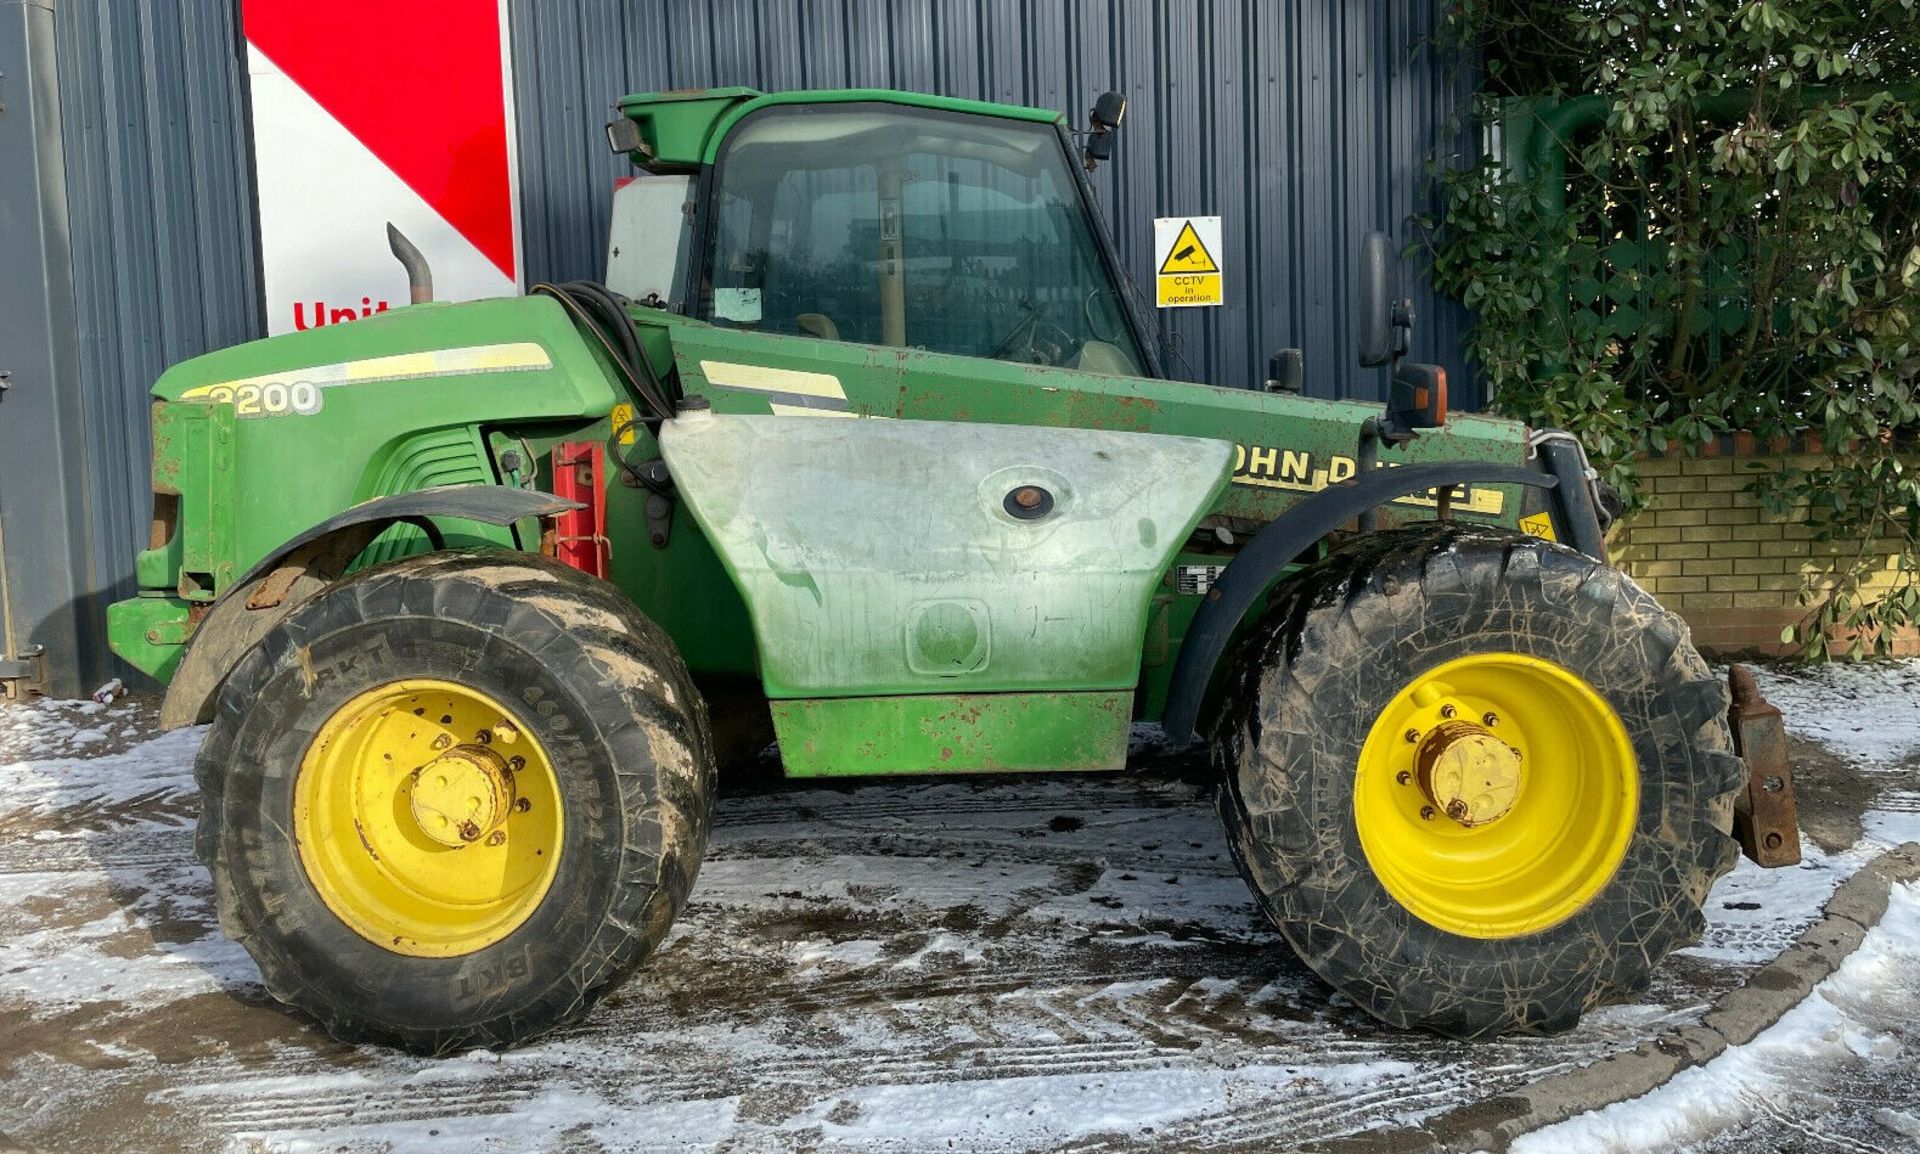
(1294, 1120)
(1899, 801)
(134, 851)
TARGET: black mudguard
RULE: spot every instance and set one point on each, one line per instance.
(306, 563)
(1284, 540)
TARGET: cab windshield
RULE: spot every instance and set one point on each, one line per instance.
(914, 228)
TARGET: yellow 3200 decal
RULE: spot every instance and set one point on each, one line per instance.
(298, 391)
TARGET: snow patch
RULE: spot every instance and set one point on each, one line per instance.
(852, 955)
(1842, 1022)
(1869, 712)
(941, 946)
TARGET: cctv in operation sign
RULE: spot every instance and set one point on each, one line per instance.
(1185, 261)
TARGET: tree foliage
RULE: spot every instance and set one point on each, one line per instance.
(1739, 249)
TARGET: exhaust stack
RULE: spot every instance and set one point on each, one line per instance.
(419, 276)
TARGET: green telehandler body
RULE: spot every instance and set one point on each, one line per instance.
(866, 437)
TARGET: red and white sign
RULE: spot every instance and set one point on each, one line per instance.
(369, 111)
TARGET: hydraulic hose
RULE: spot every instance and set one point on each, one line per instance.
(604, 315)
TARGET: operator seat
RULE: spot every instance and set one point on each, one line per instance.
(818, 325)
(1101, 357)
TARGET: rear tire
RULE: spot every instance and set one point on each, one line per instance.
(316, 739)
(1453, 925)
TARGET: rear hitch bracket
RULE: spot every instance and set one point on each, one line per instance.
(1765, 819)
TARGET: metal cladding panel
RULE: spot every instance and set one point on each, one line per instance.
(162, 223)
(1303, 125)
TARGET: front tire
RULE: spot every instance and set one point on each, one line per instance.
(1479, 781)
(453, 800)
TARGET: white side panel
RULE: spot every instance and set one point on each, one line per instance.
(880, 557)
(648, 236)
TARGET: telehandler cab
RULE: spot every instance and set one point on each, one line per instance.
(868, 424)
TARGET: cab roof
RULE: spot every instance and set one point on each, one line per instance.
(682, 129)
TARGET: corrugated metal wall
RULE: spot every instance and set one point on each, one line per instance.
(159, 198)
(1302, 124)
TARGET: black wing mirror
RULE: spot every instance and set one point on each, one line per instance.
(1385, 319)
(1416, 394)
(1108, 112)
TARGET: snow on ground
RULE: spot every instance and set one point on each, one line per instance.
(1857, 1028)
(1867, 712)
(1842, 1069)
(1001, 964)
(52, 728)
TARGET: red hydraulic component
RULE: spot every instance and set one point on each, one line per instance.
(580, 535)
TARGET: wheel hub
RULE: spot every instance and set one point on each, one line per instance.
(1467, 773)
(1495, 795)
(462, 796)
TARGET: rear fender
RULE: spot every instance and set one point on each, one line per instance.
(308, 563)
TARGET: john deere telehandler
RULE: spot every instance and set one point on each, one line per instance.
(868, 430)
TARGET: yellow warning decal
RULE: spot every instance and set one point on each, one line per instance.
(1540, 525)
(1188, 254)
(625, 429)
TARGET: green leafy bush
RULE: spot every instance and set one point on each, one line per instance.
(1734, 245)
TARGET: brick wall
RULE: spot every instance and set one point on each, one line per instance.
(1711, 553)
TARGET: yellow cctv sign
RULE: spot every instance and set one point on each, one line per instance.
(1187, 272)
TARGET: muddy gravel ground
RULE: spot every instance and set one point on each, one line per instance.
(991, 964)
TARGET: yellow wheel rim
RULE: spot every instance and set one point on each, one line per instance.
(428, 818)
(1496, 795)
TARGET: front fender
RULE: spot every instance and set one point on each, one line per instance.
(308, 562)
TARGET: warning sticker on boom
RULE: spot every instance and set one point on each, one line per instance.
(1186, 265)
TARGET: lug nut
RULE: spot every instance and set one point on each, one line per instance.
(1402, 778)
(442, 741)
(484, 737)
(1426, 813)
(1413, 736)
(516, 764)
(497, 837)
(1490, 719)
(522, 805)
(1448, 711)
(469, 831)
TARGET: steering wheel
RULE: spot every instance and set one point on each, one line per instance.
(1093, 326)
(1032, 330)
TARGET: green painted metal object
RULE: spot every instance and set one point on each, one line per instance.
(683, 130)
(193, 473)
(847, 525)
(150, 632)
(954, 733)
